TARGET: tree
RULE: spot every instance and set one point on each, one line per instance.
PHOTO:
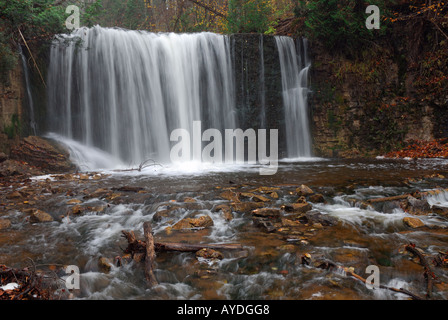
(340, 24)
(249, 15)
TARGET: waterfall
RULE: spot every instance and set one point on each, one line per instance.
(28, 93)
(124, 91)
(294, 64)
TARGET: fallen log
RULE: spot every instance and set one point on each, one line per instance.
(429, 273)
(150, 255)
(138, 246)
(329, 265)
(188, 247)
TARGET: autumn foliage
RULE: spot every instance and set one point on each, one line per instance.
(437, 148)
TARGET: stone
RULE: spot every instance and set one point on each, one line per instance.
(315, 216)
(245, 207)
(44, 154)
(40, 216)
(193, 223)
(5, 224)
(417, 206)
(316, 198)
(104, 265)
(207, 253)
(304, 190)
(16, 168)
(413, 222)
(230, 195)
(440, 210)
(267, 212)
(254, 197)
(297, 207)
(226, 211)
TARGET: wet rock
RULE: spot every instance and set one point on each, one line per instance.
(230, 195)
(264, 223)
(304, 190)
(40, 216)
(316, 198)
(297, 207)
(324, 219)
(98, 193)
(226, 211)
(254, 197)
(4, 224)
(245, 207)
(417, 206)
(10, 168)
(207, 253)
(189, 199)
(162, 214)
(267, 212)
(104, 265)
(441, 211)
(43, 154)
(413, 222)
(194, 223)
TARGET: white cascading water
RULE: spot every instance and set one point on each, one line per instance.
(124, 91)
(294, 68)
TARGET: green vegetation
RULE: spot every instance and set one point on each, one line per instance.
(249, 15)
(340, 24)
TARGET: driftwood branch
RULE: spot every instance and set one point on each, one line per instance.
(329, 265)
(150, 255)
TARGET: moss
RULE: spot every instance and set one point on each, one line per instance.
(13, 129)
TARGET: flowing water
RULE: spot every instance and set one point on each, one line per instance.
(270, 266)
(114, 98)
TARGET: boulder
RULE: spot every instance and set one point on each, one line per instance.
(40, 216)
(413, 222)
(297, 207)
(44, 154)
(208, 253)
(304, 190)
(324, 219)
(267, 212)
(194, 223)
(417, 206)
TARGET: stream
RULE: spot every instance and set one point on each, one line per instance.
(270, 265)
